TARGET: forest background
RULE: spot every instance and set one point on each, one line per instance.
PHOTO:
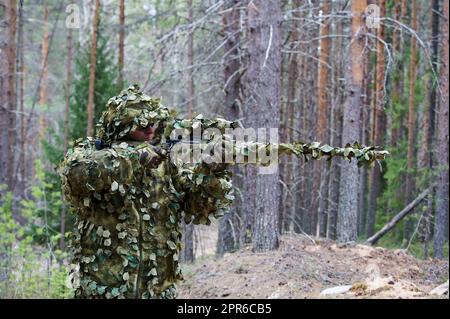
(372, 71)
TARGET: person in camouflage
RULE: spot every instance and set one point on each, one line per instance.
(130, 196)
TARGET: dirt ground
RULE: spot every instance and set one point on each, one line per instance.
(301, 269)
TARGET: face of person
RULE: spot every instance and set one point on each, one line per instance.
(143, 134)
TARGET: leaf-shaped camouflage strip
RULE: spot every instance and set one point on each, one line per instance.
(365, 155)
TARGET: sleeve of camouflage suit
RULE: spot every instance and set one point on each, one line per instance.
(207, 187)
(89, 171)
(208, 182)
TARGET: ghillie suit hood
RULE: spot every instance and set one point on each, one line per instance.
(132, 110)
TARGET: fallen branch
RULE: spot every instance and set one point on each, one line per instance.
(405, 211)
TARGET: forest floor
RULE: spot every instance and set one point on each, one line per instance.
(301, 269)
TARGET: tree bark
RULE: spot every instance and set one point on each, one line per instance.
(190, 61)
(379, 125)
(365, 136)
(441, 218)
(8, 94)
(43, 96)
(396, 89)
(264, 46)
(121, 42)
(93, 62)
(410, 178)
(229, 225)
(68, 86)
(429, 122)
(292, 87)
(189, 255)
(336, 129)
(321, 169)
(348, 200)
(21, 88)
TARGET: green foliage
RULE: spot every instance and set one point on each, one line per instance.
(43, 210)
(27, 269)
(105, 85)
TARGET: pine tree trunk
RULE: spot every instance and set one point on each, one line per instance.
(189, 255)
(43, 98)
(190, 62)
(379, 128)
(300, 195)
(23, 145)
(396, 89)
(8, 94)
(312, 206)
(348, 194)
(321, 169)
(229, 224)
(430, 120)
(121, 42)
(69, 42)
(441, 219)
(410, 181)
(336, 129)
(264, 18)
(93, 62)
(293, 73)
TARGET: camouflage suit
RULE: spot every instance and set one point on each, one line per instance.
(129, 197)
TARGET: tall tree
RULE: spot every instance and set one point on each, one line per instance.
(410, 181)
(396, 77)
(68, 86)
(93, 62)
(8, 92)
(365, 137)
(378, 125)
(188, 253)
(43, 96)
(348, 194)
(335, 125)
(441, 219)
(228, 238)
(21, 89)
(105, 70)
(321, 170)
(292, 92)
(263, 102)
(429, 119)
(121, 42)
